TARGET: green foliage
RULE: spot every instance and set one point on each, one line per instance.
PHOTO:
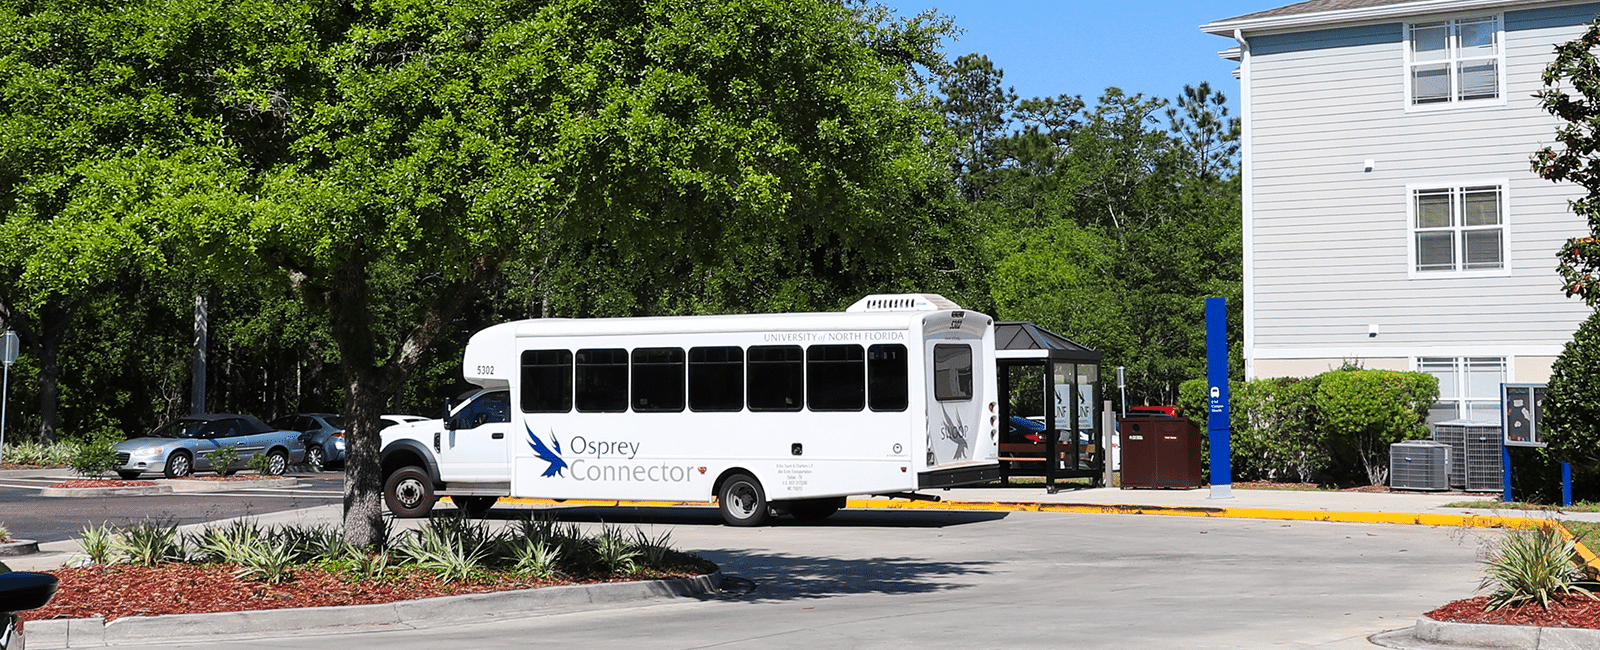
(223, 459)
(259, 463)
(1574, 161)
(230, 543)
(38, 454)
(5, 534)
(454, 548)
(98, 543)
(535, 558)
(1572, 403)
(1365, 411)
(269, 561)
(148, 543)
(1335, 427)
(614, 552)
(653, 550)
(94, 458)
(1531, 566)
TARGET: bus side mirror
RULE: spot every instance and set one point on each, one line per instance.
(450, 423)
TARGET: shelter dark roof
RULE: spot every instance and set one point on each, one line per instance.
(1316, 6)
(1025, 336)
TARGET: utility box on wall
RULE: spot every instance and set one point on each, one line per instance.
(1160, 452)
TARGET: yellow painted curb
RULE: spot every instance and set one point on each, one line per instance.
(1587, 561)
(1421, 519)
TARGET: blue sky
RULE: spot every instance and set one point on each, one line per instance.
(1080, 47)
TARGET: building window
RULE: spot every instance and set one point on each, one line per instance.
(1458, 228)
(1469, 387)
(1453, 61)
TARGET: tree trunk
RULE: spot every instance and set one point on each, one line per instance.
(363, 485)
(49, 386)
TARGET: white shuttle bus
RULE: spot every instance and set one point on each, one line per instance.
(765, 414)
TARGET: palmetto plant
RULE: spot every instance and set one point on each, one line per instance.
(451, 547)
(269, 560)
(614, 552)
(98, 543)
(148, 543)
(1531, 566)
(229, 544)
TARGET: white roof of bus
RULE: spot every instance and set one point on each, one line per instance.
(725, 323)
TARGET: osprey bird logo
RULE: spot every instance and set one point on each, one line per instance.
(544, 453)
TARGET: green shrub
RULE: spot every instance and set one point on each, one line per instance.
(260, 463)
(1572, 403)
(35, 454)
(451, 547)
(270, 561)
(5, 534)
(223, 459)
(1531, 566)
(1365, 411)
(613, 552)
(230, 543)
(94, 459)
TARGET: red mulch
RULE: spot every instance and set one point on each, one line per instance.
(1572, 610)
(118, 590)
(100, 483)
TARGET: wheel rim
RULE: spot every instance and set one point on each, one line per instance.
(277, 464)
(314, 457)
(409, 493)
(180, 465)
(742, 500)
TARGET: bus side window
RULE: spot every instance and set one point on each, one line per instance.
(716, 379)
(952, 372)
(546, 381)
(836, 377)
(776, 378)
(658, 379)
(603, 380)
(888, 383)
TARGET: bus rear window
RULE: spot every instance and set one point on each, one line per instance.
(603, 380)
(836, 378)
(776, 375)
(887, 381)
(658, 379)
(546, 381)
(952, 372)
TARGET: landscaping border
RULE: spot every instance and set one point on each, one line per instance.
(443, 610)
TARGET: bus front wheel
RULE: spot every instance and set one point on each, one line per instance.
(742, 501)
(409, 493)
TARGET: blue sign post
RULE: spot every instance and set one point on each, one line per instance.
(1218, 422)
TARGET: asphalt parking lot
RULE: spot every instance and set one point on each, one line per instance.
(962, 579)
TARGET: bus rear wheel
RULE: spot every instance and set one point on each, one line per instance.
(742, 501)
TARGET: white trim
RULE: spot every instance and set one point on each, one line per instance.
(1021, 354)
(1378, 352)
(1453, 61)
(1247, 201)
(1301, 22)
(1455, 187)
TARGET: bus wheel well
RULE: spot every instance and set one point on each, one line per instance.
(404, 458)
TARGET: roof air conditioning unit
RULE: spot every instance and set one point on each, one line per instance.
(903, 302)
(1419, 465)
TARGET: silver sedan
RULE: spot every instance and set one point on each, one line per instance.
(183, 446)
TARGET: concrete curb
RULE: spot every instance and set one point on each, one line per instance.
(19, 547)
(429, 612)
(1361, 517)
(142, 490)
(186, 485)
(1428, 634)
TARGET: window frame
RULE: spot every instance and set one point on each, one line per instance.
(1457, 191)
(1461, 366)
(1453, 59)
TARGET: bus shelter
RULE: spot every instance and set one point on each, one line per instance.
(1054, 384)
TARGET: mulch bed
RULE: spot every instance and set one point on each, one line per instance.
(1572, 610)
(101, 483)
(118, 590)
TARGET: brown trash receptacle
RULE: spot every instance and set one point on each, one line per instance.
(1159, 452)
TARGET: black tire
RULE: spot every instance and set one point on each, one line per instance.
(742, 501)
(815, 509)
(475, 507)
(128, 475)
(179, 465)
(408, 493)
(316, 458)
(277, 463)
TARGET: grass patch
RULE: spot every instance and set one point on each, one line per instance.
(1492, 504)
(1587, 532)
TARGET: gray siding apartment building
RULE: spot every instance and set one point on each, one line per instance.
(1390, 213)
